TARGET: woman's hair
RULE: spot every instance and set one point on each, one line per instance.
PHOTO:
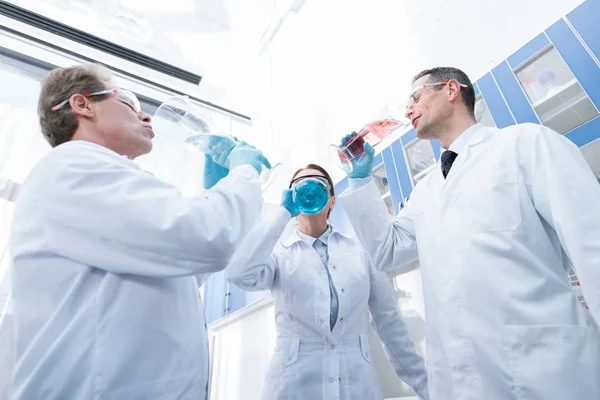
(321, 170)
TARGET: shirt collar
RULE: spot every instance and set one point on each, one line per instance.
(460, 143)
(311, 240)
(297, 237)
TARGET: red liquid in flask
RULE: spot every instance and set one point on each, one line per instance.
(352, 150)
(372, 133)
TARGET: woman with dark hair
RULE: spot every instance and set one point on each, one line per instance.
(323, 287)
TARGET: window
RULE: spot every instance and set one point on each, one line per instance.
(382, 183)
(557, 97)
(421, 159)
(482, 113)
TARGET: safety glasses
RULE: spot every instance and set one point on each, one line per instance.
(122, 95)
(416, 94)
(322, 178)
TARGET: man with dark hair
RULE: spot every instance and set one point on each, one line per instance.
(107, 258)
(497, 227)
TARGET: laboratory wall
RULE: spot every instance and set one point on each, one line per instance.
(530, 61)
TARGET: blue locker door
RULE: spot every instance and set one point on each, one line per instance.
(585, 21)
(495, 102)
(585, 70)
(514, 95)
(402, 169)
(390, 170)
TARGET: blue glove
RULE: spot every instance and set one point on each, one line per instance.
(287, 202)
(362, 165)
(213, 172)
(243, 153)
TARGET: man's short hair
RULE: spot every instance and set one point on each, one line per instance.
(444, 74)
(59, 85)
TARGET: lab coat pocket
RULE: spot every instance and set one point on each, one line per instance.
(291, 351)
(364, 347)
(553, 362)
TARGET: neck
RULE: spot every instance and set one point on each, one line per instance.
(88, 136)
(454, 129)
(312, 227)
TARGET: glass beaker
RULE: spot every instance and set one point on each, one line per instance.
(202, 134)
(310, 196)
(372, 133)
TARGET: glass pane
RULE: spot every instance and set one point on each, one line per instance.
(381, 181)
(482, 113)
(420, 158)
(556, 95)
(591, 153)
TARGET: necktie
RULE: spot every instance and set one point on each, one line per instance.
(321, 249)
(448, 158)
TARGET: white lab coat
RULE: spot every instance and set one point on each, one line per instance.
(495, 241)
(310, 361)
(106, 300)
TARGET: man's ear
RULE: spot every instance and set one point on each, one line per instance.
(81, 105)
(453, 90)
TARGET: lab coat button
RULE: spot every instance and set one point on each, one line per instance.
(341, 319)
(333, 346)
(333, 266)
(321, 321)
(330, 380)
(343, 290)
(290, 358)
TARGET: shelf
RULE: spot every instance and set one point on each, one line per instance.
(422, 174)
(555, 92)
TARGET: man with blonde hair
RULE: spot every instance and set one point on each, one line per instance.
(106, 257)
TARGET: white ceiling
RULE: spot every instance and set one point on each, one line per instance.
(214, 38)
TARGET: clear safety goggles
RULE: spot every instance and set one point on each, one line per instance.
(416, 94)
(122, 95)
(321, 178)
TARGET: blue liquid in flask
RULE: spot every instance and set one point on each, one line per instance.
(311, 196)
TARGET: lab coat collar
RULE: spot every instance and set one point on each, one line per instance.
(458, 146)
(469, 138)
(297, 237)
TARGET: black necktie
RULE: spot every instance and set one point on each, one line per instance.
(448, 158)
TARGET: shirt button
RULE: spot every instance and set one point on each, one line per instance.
(333, 346)
(343, 290)
(290, 358)
(330, 380)
(320, 273)
(322, 292)
(341, 319)
(321, 321)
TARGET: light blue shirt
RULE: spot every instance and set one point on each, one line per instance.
(320, 245)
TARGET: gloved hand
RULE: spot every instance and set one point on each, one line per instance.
(243, 153)
(287, 202)
(213, 172)
(362, 165)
